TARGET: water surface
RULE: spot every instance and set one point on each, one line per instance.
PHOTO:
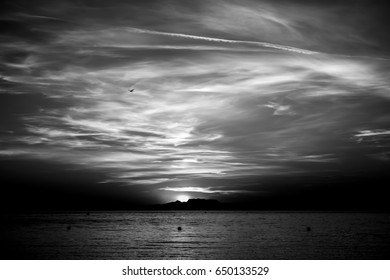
(204, 235)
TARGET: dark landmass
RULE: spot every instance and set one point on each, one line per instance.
(205, 204)
(192, 204)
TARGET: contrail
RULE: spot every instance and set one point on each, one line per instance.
(211, 39)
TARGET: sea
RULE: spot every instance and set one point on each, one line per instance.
(203, 235)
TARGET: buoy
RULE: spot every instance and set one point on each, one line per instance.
(308, 228)
(179, 228)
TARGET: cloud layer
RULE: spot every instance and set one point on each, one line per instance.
(227, 97)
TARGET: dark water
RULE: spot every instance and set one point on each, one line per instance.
(204, 235)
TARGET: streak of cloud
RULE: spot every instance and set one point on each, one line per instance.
(207, 190)
(370, 133)
(260, 44)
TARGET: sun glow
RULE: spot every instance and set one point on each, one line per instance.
(183, 198)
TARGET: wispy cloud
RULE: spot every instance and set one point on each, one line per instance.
(280, 110)
(370, 133)
(219, 40)
(225, 96)
(207, 190)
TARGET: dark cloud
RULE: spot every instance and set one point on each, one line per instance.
(234, 100)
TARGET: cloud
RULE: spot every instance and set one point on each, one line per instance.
(375, 137)
(370, 133)
(207, 190)
(280, 110)
(225, 96)
(197, 118)
(219, 40)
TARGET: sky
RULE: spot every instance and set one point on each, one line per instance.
(278, 103)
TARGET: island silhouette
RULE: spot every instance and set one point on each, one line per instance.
(195, 204)
(192, 204)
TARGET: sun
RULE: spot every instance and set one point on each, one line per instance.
(183, 198)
